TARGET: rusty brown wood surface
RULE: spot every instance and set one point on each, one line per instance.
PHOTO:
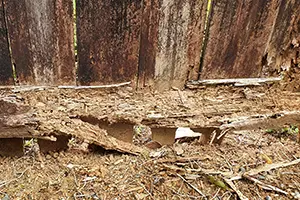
(171, 41)
(238, 38)
(6, 77)
(284, 44)
(108, 40)
(41, 37)
(148, 42)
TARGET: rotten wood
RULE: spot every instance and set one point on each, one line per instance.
(11, 147)
(41, 38)
(91, 134)
(94, 86)
(6, 73)
(282, 52)
(165, 136)
(236, 82)
(108, 40)
(60, 144)
(267, 121)
(238, 38)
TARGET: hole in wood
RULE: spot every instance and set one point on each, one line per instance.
(165, 136)
(11, 147)
(122, 130)
(53, 146)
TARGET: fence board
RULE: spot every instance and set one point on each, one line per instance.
(172, 35)
(6, 77)
(41, 36)
(108, 40)
(282, 48)
(238, 38)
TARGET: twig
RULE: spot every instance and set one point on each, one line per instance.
(271, 167)
(223, 133)
(192, 186)
(263, 185)
(213, 137)
(216, 194)
(147, 191)
(186, 159)
(182, 99)
(238, 192)
(203, 171)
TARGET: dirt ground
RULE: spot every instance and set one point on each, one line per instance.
(184, 170)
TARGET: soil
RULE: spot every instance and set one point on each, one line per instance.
(170, 172)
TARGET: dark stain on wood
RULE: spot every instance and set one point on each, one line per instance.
(283, 47)
(6, 75)
(41, 37)
(108, 40)
(148, 42)
(239, 34)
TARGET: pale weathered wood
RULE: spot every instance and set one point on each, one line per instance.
(179, 41)
(236, 82)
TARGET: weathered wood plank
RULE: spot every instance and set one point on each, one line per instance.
(148, 42)
(284, 43)
(41, 37)
(6, 77)
(172, 36)
(238, 37)
(108, 40)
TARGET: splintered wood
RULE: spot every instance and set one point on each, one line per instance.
(17, 122)
(106, 118)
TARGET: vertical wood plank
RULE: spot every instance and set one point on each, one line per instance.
(108, 40)
(171, 41)
(41, 37)
(6, 77)
(238, 38)
(284, 44)
(148, 42)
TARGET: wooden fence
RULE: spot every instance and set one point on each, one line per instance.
(160, 43)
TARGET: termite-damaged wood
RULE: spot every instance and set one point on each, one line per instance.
(41, 38)
(6, 73)
(121, 130)
(238, 37)
(236, 81)
(108, 40)
(165, 136)
(283, 48)
(268, 121)
(11, 147)
(61, 143)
